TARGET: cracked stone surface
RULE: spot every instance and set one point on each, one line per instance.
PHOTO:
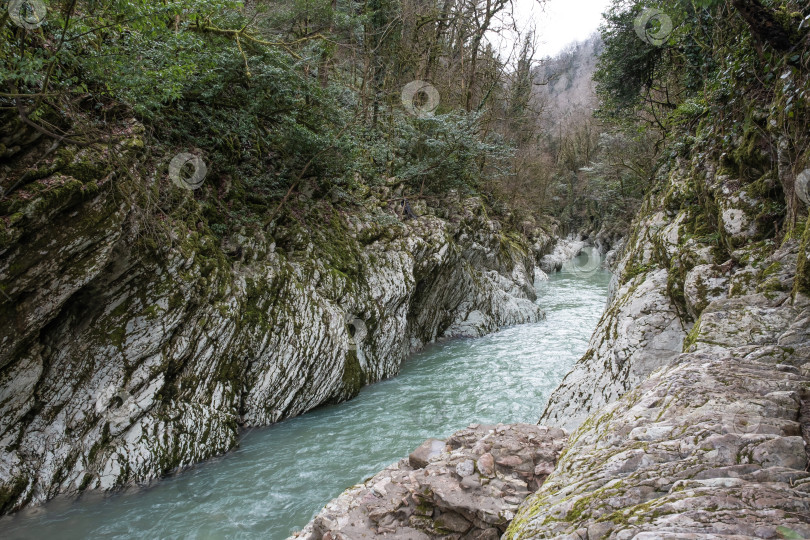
(121, 361)
(664, 280)
(704, 441)
(638, 334)
(468, 487)
(691, 406)
(711, 444)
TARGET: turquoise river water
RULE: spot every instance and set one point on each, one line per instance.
(281, 476)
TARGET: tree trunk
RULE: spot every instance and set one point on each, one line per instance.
(323, 67)
(787, 177)
(435, 47)
(763, 24)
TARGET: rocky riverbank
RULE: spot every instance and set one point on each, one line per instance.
(133, 346)
(690, 407)
(712, 444)
(468, 487)
(689, 412)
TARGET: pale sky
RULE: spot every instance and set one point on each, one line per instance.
(558, 22)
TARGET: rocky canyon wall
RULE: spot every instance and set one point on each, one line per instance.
(689, 411)
(130, 347)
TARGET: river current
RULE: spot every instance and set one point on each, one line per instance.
(281, 476)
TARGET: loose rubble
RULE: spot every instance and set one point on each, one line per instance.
(466, 488)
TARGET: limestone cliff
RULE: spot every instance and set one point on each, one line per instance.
(134, 342)
(691, 403)
(690, 408)
(672, 268)
(711, 444)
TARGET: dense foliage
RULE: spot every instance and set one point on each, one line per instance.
(279, 98)
(730, 81)
(284, 99)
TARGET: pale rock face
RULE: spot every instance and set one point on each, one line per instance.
(640, 333)
(469, 486)
(704, 284)
(119, 365)
(752, 320)
(611, 258)
(539, 276)
(737, 215)
(690, 406)
(644, 328)
(706, 444)
(564, 250)
(710, 445)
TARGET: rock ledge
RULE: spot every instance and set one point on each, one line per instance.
(468, 487)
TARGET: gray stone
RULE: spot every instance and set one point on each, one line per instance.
(486, 465)
(704, 284)
(437, 497)
(420, 457)
(465, 468)
(639, 334)
(564, 251)
(709, 441)
(183, 340)
(452, 522)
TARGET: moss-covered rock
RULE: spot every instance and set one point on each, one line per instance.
(137, 337)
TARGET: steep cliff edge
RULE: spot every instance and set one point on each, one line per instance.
(712, 444)
(691, 403)
(699, 427)
(134, 344)
(673, 267)
(690, 406)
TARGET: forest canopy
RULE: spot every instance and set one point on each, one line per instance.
(282, 97)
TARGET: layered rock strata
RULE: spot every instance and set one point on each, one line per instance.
(711, 446)
(127, 351)
(669, 271)
(692, 401)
